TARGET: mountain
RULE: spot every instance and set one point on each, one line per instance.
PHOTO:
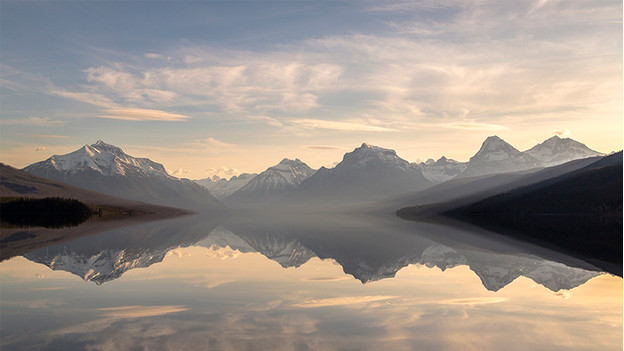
(579, 211)
(367, 173)
(272, 183)
(441, 170)
(497, 156)
(594, 189)
(222, 187)
(107, 169)
(16, 183)
(460, 191)
(556, 151)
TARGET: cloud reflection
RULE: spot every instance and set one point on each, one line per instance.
(140, 311)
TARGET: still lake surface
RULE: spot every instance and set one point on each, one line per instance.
(284, 282)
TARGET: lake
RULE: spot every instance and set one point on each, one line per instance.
(295, 282)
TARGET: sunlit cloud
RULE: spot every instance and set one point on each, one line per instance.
(323, 147)
(50, 136)
(180, 172)
(140, 311)
(473, 126)
(562, 132)
(338, 125)
(223, 172)
(40, 148)
(137, 114)
(212, 142)
(267, 120)
(34, 121)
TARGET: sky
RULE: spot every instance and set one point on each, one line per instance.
(226, 87)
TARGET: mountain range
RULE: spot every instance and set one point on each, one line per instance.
(221, 188)
(367, 174)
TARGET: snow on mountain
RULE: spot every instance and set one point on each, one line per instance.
(107, 169)
(442, 170)
(101, 267)
(555, 151)
(497, 156)
(498, 270)
(103, 158)
(367, 173)
(222, 187)
(275, 181)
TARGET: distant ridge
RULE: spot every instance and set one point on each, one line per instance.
(273, 183)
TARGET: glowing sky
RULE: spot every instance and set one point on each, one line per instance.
(200, 86)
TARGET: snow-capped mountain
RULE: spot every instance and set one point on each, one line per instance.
(497, 156)
(107, 169)
(274, 182)
(367, 173)
(555, 151)
(441, 170)
(222, 187)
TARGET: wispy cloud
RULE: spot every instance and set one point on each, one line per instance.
(473, 126)
(338, 125)
(50, 136)
(324, 147)
(137, 114)
(34, 121)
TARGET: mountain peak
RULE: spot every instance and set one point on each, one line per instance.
(498, 156)
(556, 150)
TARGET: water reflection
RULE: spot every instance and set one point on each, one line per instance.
(366, 248)
(265, 283)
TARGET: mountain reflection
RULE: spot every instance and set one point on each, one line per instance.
(368, 248)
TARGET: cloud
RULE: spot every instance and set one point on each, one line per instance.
(34, 121)
(223, 172)
(50, 136)
(562, 132)
(323, 147)
(473, 126)
(137, 114)
(212, 143)
(266, 119)
(338, 125)
(180, 172)
(40, 148)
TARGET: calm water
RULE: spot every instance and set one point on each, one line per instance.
(304, 283)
